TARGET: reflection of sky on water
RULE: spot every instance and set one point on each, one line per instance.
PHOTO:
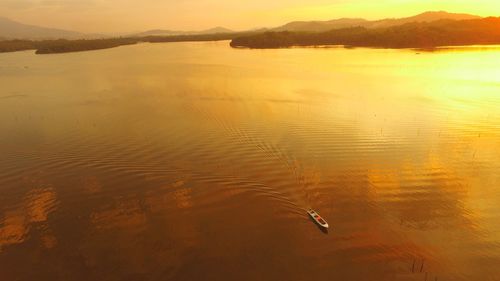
(161, 167)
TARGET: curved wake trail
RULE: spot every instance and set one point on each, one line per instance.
(295, 197)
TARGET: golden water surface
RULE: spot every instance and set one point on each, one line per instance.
(195, 161)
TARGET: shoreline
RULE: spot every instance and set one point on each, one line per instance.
(61, 46)
(417, 35)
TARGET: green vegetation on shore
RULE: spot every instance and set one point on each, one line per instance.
(16, 45)
(484, 31)
(66, 46)
(62, 46)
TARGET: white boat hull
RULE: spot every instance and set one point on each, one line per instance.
(318, 219)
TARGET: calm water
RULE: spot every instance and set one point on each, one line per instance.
(195, 161)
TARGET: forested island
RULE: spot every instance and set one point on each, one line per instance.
(484, 31)
(66, 46)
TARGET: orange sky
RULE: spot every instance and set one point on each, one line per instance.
(133, 15)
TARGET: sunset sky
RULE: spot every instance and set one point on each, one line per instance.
(133, 15)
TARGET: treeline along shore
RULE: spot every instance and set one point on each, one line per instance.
(67, 46)
(484, 31)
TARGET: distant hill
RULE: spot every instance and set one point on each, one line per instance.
(322, 26)
(215, 30)
(424, 17)
(157, 32)
(166, 32)
(447, 32)
(427, 30)
(10, 29)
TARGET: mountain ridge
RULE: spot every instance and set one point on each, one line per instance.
(322, 26)
(10, 29)
(432, 34)
(167, 32)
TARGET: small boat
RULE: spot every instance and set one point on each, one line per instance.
(317, 218)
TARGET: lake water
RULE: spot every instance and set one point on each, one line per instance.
(195, 161)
